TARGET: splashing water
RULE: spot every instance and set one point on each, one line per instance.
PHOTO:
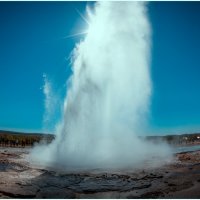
(109, 94)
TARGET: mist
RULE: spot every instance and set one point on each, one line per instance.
(49, 100)
(109, 94)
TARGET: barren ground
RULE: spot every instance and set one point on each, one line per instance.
(20, 179)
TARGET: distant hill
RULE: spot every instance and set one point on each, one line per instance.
(24, 133)
(22, 139)
(177, 139)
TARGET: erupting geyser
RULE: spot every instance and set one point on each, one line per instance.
(108, 94)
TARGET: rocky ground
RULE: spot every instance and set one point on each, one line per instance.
(20, 179)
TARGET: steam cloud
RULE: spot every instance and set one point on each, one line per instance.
(109, 95)
(49, 103)
(52, 103)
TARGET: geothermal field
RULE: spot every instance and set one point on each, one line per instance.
(19, 178)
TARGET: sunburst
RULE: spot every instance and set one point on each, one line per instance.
(79, 33)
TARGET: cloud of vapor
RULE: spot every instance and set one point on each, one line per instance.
(48, 99)
(52, 104)
(106, 106)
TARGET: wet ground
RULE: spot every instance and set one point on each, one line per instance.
(20, 179)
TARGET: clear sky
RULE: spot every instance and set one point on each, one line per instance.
(32, 42)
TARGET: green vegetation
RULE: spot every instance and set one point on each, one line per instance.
(17, 139)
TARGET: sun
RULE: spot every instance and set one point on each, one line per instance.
(84, 32)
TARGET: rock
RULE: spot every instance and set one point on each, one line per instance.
(55, 193)
(152, 195)
(93, 185)
(190, 168)
(165, 181)
(132, 197)
(171, 184)
(49, 179)
(16, 191)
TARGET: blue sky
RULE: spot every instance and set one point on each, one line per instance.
(32, 43)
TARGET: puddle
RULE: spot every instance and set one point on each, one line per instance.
(11, 166)
(5, 166)
(186, 148)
